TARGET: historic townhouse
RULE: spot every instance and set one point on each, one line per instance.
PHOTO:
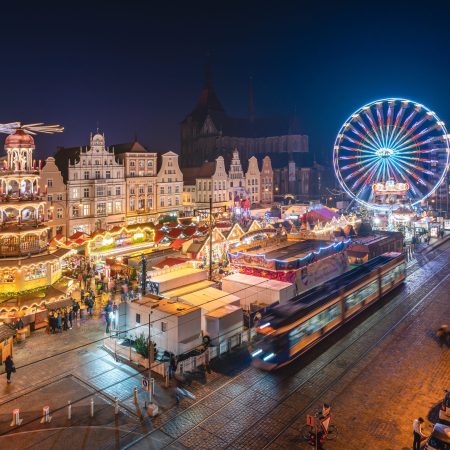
(210, 180)
(95, 186)
(140, 179)
(169, 185)
(266, 181)
(236, 179)
(253, 181)
(52, 182)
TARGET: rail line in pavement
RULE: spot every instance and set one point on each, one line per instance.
(389, 308)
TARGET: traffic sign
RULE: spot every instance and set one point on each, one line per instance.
(145, 383)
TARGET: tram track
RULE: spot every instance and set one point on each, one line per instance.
(310, 377)
(261, 377)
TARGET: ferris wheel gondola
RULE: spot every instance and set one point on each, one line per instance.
(391, 151)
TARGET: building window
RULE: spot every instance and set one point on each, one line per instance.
(149, 203)
(59, 197)
(75, 211)
(108, 174)
(59, 213)
(86, 175)
(85, 210)
(132, 191)
(100, 191)
(138, 318)
(141, 164)
(101, 208)
(117, 190)
(97, 174)
(86, 193)
(118, 207)
(141, 189)
(169, 201)
(49, 214)
(132, 174)
(132, 163)
(177, 201)
(131, 204)
(163, 327)
(149, 189)
(109, 208)
(161, 203)
(49, 182)
(169, 189)
(49, 197)
(161, 190)
(149, 163)
(97, 162)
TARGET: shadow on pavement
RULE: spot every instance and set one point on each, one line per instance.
(231, 363)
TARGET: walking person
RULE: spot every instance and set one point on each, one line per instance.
(9, 368)
(70, 317)
(59, 321)
(417, 432)
(442, 335)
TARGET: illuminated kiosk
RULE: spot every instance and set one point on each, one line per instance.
(28, 271)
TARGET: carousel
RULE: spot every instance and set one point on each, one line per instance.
(30, 274)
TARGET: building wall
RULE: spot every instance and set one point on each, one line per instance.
(266, 181)
(140, 175)
(253, 181)
(56, 212)
(169, 184)
(96, 189)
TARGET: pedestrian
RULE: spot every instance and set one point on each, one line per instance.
(59, 321)
(20, 324)
(108, 316)
(65, 320)
(417, 433)
(70, 317)
(442, 334)
(9, 368)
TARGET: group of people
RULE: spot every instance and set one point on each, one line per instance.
(62, 319)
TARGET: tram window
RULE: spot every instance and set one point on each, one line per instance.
(359, 296)
(314, 324)
(393, 274)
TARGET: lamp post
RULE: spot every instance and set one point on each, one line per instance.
(210, 239)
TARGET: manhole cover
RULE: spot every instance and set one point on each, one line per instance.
(381, 429)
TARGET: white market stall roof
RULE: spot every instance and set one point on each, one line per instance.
(251, 280)
(224, 311)
(210, 299)
(173, 274)
(189, 288)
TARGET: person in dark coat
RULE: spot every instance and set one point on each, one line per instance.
(70, 317)
(59, 321)
(9, 368)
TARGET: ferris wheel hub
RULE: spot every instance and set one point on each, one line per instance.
(384, 152)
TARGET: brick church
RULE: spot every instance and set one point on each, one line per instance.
(208, 132)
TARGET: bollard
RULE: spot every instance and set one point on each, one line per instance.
(152, 381)
(116, 406)
(135, 395)
(166, 378)
(92, 408)
(16, 420)
(69, 410)
(46, 417)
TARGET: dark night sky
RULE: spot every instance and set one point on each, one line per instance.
(137, 67)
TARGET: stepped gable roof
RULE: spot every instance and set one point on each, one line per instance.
(62, 157)
(206, 170)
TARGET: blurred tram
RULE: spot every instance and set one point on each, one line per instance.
(289, 330)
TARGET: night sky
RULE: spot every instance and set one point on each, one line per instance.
(137, 67)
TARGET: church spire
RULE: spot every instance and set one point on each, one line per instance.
(251, 106)
(208, 72)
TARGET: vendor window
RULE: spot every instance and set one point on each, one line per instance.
(138, 318)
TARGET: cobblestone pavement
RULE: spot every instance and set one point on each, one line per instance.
(369, 370)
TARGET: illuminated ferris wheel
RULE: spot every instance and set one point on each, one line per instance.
(391, 152)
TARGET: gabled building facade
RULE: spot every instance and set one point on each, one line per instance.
(95, 186)
(52, 182)
(140, 179)
(169, 185)
(253, 181)
(266, 181)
